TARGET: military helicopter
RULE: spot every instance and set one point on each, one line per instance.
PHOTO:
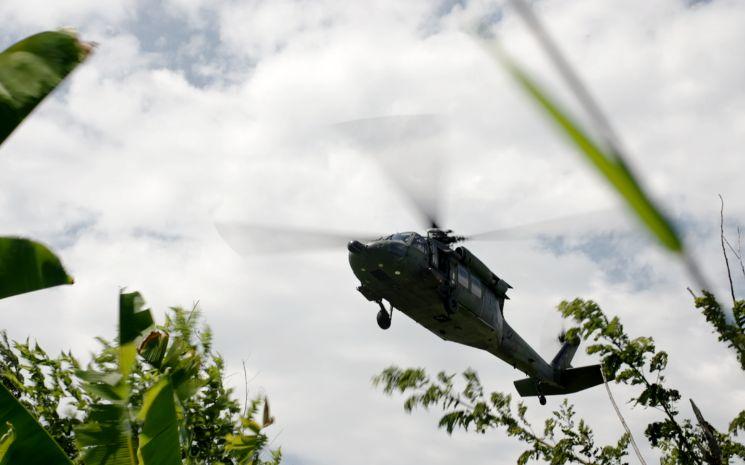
(429, 278)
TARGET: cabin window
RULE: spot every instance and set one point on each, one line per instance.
(476, 287)
(463, 276)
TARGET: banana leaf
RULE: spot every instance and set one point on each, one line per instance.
(106, 438)
(31, 69)
(159, 440)
(31, 445)
(133, 321)
(27, 266)
(6, 440)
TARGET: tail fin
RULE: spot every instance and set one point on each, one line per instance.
(564, 356)
(570, 380)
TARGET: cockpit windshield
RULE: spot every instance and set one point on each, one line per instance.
(406, 237)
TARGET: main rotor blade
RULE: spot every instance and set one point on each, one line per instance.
(258, 239)
(410, 151)
(589, 222)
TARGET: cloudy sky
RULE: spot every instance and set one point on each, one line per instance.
(193, 111)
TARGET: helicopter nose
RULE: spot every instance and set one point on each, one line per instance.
(356, 246)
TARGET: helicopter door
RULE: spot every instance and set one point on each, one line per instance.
(492, 314)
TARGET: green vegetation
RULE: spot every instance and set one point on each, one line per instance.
(26, 266)
(729, 332)
(31, 69)
(171, 406)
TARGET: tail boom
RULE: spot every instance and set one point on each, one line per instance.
(565, 379)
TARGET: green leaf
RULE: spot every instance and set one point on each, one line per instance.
(133, 321)
(105, 438)
(6, 441)
(110, 386)
(608, 165)
(32, 444)
(524, 457)
(27, 266)
(159, 441)
(153, 348)
(31, 69)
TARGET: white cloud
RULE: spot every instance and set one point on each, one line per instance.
(127, 167)
(27, 14)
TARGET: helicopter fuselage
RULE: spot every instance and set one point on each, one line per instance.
(449, 292)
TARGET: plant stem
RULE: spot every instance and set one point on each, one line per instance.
(724, 250)
(620, 417)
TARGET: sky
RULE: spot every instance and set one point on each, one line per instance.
(194, 111)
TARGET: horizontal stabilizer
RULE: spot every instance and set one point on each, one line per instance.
(571, 380)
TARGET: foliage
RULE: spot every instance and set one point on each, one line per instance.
(633, 361)
(25, 441)
(175, 384)
(31, 69)
(562, 439)
(730, 332)
(42, 384)
(638, 363)
(27, 266)
(5, 441)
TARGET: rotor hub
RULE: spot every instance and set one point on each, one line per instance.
(445, 236)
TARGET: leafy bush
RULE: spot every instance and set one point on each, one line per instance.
(89, 414)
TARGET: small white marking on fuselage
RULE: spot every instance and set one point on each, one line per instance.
(397, 272)
(380, 265)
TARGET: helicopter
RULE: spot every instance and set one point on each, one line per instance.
(433, 280)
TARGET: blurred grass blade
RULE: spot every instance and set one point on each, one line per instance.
(106, 438)
(133, 321)
(159, 441)
(608, 165)
(31, 69)
(27, 266)
(32, 444)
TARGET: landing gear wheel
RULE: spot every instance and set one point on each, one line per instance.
(384, 316)
(384, 320)
(542, 399)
